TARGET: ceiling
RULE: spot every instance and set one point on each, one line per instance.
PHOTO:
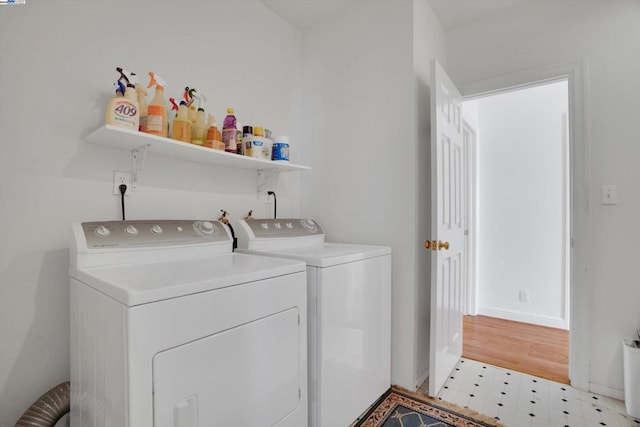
(457, 13)
(303, 13)
(451, 13)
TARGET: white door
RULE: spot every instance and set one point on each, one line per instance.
(447, 232)
(245, 376)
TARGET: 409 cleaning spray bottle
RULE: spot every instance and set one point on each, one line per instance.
(122, 109)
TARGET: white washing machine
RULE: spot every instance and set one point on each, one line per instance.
(349, 295)
(170, 328)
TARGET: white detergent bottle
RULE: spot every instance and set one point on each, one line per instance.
(122, 109)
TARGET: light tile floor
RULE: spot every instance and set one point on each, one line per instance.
(521, 400)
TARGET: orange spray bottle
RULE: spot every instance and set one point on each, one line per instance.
(157, 114)
(213, 138)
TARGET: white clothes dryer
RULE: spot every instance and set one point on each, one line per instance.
(170, 328)
(349, 314)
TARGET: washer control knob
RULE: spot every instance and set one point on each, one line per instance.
(131, 230)
(309, 225)
(102, 231)
(206, 227)
(156, 229)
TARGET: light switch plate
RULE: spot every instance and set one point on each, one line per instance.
(609, 194)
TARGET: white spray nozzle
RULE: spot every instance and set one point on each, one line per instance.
(156, 80)
(201, 97)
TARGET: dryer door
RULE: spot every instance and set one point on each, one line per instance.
(245, 376)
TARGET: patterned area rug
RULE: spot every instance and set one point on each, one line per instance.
(402, 408)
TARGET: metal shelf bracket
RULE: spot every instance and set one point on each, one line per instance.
(138, 155)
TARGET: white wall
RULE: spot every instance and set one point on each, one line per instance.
(360, 109)
(56, 73)
(606, 36)
(521, 161)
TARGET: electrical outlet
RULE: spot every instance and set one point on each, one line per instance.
(609, 194)
(122, 178)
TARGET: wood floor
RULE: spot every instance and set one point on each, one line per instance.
(532, 349)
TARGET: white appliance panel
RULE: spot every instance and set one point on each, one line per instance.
(349, 303)
(253, 306)
(353, 338)
(312, 343)
(171, 323)
(98, 358)
(203, 384)
(134, 284)
(328, 254)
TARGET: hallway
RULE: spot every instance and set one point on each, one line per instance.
(535, 350)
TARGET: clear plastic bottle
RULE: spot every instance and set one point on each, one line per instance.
(181, 124)
(213, 138)
(229, 132)
(199, 130)
(142, 104)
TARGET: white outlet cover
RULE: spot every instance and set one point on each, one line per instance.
(609, 194)
(120, 177)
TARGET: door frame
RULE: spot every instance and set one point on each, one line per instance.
(469, 140)
(579, 284)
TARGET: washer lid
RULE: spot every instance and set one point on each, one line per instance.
(327, 254)
(141, 283)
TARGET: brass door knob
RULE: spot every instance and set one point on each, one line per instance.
(435, 245)
(431, 244)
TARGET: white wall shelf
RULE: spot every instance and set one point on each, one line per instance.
(114, 136)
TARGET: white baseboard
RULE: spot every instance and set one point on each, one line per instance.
(422, 378)
(606, 391)
(551, 322)
(403, 384)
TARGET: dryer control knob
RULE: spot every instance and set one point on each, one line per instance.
(102, 231)
(206, 227)
(131, 230)
(156, 229)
